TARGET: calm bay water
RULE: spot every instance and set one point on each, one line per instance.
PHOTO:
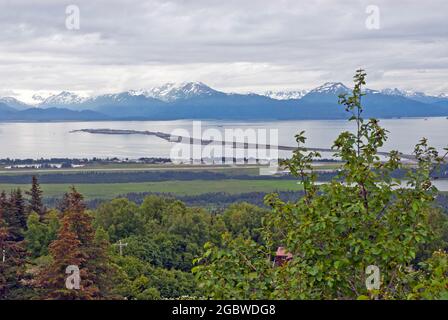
(55, 140)
(47, 140)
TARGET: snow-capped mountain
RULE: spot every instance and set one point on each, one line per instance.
(112, 97)
(397, 92)
(195, 100)
(414, 95)
(331, 88)
(170, 92)
(62, 99)
(285, 95)
(326, 93)
(127, 98)
(14, 103)
(403, 93)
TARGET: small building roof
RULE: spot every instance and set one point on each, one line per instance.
(281, 252)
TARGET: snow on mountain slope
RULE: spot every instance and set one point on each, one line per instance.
(331, 88)
(14, 103)
(170, 92)
(180, 92)
(414, 95)
(63, 98)
(403, 93)
(285, 95)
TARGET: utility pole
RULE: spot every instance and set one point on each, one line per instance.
(120, 246)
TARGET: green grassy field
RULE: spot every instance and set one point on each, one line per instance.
(194, 187)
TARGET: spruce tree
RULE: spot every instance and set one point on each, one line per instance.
(3, 200)
(97, 259)
(14, 215)
(66, 251)
(76, 245)
(3, 248)
(12, 261)
(35, 202)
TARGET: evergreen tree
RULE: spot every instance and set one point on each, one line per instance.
(35, 202)
(14, 214)
(76, 245)
(3, 238)
(3, 200)
(12, 258)
(66, 251)
(81, 223)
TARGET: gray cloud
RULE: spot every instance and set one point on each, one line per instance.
(231, 45)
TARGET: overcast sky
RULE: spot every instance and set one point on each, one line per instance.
(231, 45)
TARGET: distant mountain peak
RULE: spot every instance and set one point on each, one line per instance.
(63, 98)
(170, 91)
(331, 87)
(14, 103)
(414, 95)
(9, 100)
(404, 93)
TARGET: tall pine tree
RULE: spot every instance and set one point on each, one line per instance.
(66, 251)
(12, 260)
(14, 215)
(76, 245)
(35, 201)
(3, 200)
(4, 234)
(97, 262)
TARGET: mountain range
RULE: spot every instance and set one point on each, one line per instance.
(195, 100)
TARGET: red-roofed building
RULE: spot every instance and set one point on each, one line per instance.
(282, 256)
